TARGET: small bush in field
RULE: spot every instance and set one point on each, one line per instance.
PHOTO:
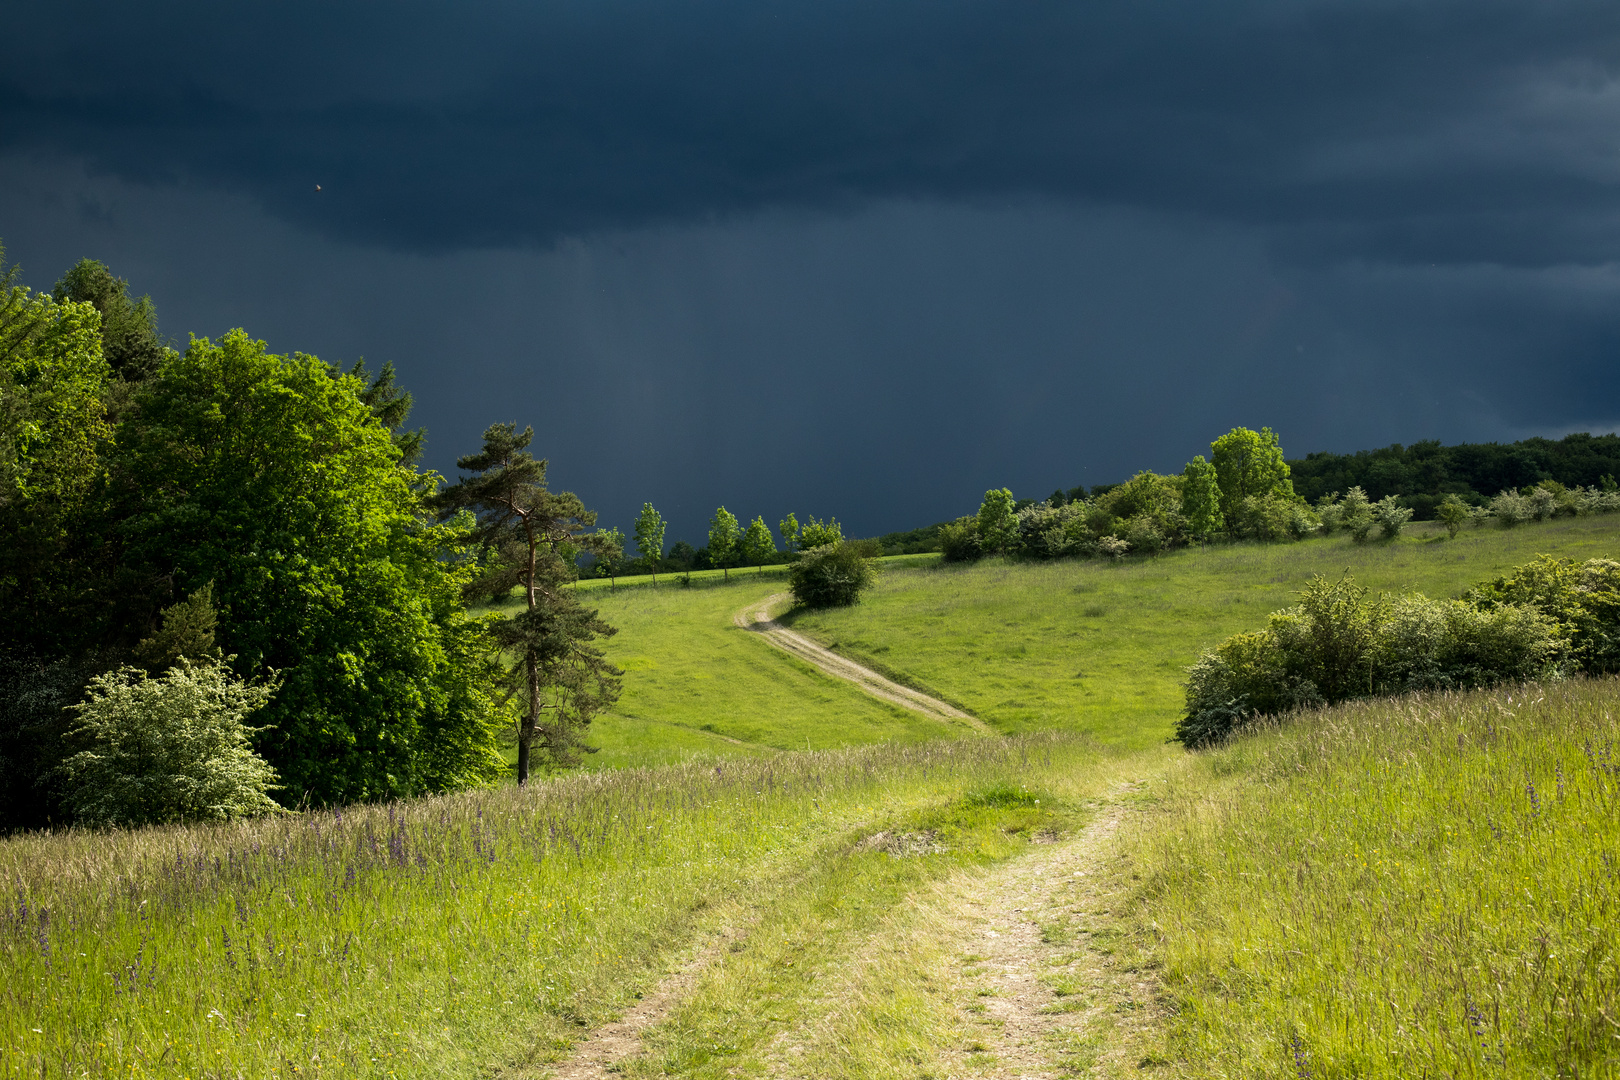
(1510, 509)
(959, 541)
(1391, 516)
(168, 749)
(833, 575)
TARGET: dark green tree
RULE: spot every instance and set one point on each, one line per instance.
(529, 538)
(129, 328)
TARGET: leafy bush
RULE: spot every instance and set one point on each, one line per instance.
(1391, 516)
(168, 749)
(1582, 599)
(1510, 509)
(1113, 547)
(959, 541)
(1454, 513)
(832, 575)
(1142, 534)
(1274, 516)
(1337, 644)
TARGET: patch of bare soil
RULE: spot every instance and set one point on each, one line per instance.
(757, 618)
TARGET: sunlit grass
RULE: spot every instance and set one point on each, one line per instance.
(445, 936)
(1100, 648)
(1425, 886)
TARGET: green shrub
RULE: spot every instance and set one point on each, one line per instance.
(1454, 514)
(1337, 644)
(168, 749)
(833, 575)
(959, 541)
(1583, 600)
(1510, 509)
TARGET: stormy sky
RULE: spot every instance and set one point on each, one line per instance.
(861, 259)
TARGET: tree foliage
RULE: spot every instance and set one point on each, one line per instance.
(818, 533)
(997, 526)
(528, 537)
(650, 537)
(1248, 463)
(757, 544)
(724, 536)
(131, 344)
(1201, 498)
(272, 478)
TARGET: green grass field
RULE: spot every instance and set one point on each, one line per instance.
(482, 933)
(695, 684)
(1423, 886)
(1412, 887)
(1100, 648)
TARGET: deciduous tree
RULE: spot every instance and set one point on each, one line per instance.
(1248, 464)
(723, 537)
(789, 528)
(998, 525)
(1201, 498)
(272, 478)
(757, 543)
(650, 538)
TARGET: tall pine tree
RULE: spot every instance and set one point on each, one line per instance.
(530, 536)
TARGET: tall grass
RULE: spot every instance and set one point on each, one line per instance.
(1418, 887)
(444, 936)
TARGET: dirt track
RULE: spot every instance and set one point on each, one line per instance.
(757, 618)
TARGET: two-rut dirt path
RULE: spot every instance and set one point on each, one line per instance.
(757, 618)
(1036, 1001)
(1038, 995)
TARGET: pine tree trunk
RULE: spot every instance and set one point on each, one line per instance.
(530, 720)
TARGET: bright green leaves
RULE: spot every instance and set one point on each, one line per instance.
(272, 477)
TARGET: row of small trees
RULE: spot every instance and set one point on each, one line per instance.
(730, 544)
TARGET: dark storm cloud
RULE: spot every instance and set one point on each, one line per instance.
(1411, 132)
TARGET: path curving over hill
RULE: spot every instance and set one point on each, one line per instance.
(757, 618)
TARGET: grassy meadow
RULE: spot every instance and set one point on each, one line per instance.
(1100, 648)
(1424, 886)
(1421, 887)
(482, 933)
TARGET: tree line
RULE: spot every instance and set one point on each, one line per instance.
(1244, 491)
(185, 533)
(729, 545)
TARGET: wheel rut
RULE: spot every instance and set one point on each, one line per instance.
(758, 619)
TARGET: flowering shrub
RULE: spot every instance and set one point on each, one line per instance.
(168, 749)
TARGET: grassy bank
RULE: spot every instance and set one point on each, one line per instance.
(1425, 886)
(470, 934)
(695, 684)
(1100, 648)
